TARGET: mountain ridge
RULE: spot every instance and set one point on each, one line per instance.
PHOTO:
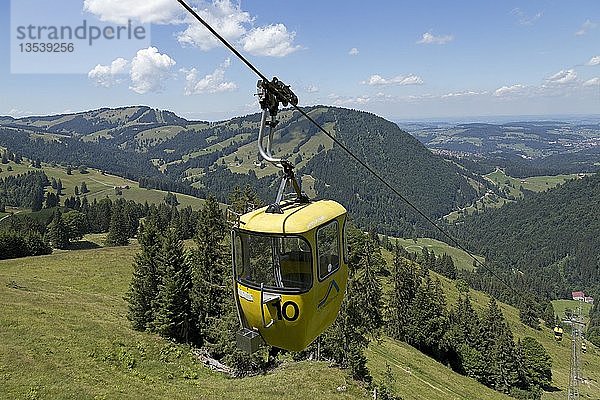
(213, 157)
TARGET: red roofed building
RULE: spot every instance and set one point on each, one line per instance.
(578, 296)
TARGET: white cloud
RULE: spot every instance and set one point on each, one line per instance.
(509, 90)
(525, 19)
(594, 61)
(562, 77)
(592, 82)
(150, 70)
(211, 83)
(465, 93)
(271, 40)
(312, 89)
(353, 51)
(227, 18)
(378, 80)
(17, 113)
(586, 27)
(147, 11)
(349, 101)
(430, 38)
(107, 75)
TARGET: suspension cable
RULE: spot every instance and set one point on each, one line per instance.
(348, 151)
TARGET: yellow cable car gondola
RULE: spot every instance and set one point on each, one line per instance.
(558, 333)
(289, 258)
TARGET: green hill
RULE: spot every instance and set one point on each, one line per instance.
(552, 238)
(100, 185)
(64, 334)
(139, 142)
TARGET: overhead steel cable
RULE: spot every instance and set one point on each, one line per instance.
(343, 147)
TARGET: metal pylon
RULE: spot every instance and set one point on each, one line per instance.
(575, 376)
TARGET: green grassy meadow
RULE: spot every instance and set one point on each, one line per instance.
(561, 305)
(64, 334)
(101, 185)
(534, 183)
(515, 188)
(462, 260)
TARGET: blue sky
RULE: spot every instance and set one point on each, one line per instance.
(398, 59)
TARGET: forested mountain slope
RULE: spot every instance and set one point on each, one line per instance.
(552, 238)
(153, 146)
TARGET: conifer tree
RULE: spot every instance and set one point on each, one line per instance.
(171, 199)
(84, 188)
(173, 318)
(38, 199)
(210, 270)
(118, 231)
(147, 275)
(428, 319)
(344, 342)
(52, 200)
(368, 287)
(549, 317)
(57, 232)
(501, 368)
(446, 266)
(537, 364)
(243, 200)
(132, 218)
(593, 330)
(75, 224)
(405, 281)
(528, 313)
(464, 337)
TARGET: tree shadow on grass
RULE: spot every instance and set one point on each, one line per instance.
(82, 245)
(551, 389)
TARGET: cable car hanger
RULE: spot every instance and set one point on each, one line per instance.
(270, 95)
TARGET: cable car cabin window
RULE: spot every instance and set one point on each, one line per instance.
(278, 262)
(328, 249)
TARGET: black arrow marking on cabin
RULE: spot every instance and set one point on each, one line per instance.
(332, 285)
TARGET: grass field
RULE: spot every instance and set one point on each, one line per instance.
(102, 185)
(64, 334)
(515, 188)
(561, 305)
(420, 377)
(535, 183)
(461, 259)
(487, 201)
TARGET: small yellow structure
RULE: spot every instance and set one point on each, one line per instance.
(558, 333)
